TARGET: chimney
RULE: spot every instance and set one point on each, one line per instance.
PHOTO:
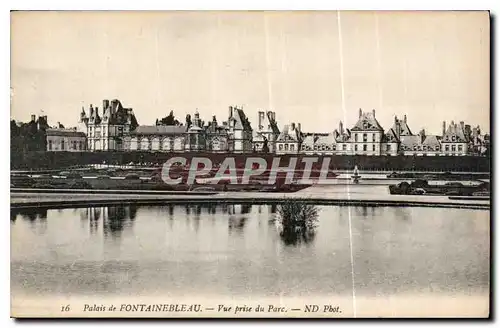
(33, 117)
(462, 125)
(293, 126)
(422, 135)
(261, 118)
(230, 111)
(404, 118)
(395, 118)
(444, 128)
(341, 128)
(105, 103)
(373, 112)
(360, 113)
(299, 127)
(398, 129)
(97, 111)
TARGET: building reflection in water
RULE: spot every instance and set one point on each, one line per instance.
(238, 217)
(112, 219)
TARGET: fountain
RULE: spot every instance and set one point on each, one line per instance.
(356, 177)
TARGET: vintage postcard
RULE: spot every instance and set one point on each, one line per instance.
(260, 164)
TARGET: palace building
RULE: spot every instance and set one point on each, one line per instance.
(106, 131)
(267, 132)
(116, 128)
(61, 139)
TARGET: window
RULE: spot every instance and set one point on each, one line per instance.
(355, 147)
(460, 148)
(334, 147)
(364, 147)
(356, 137)
(344, 147)
(447, 148)
(286, 147)
(453, 148)
(50, 144)
(373, 147)
(292, 147)
(388, 147)
(62, 144)
(373, 137)
(281, 146)
(365, 137)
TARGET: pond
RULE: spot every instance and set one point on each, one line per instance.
(235, 250)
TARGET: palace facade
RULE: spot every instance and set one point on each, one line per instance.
(116, 128)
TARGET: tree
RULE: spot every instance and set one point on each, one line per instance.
(169, 120)
(188, 121)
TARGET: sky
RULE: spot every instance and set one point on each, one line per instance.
(314, 68)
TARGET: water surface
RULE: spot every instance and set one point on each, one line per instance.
(237, 250)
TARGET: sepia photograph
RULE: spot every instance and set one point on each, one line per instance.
(250, 164)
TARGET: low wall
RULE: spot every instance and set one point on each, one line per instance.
(57, 160)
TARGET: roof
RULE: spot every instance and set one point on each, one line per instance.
(454, 133)
(342, 137)
(309, 140)
(159, 129)
(65, 133)
(326, 140)
(120, 116)
(241, 119)
(213, 128)
(431, 141)
(287, 135)
(257, 136)
(411, 140)
(404, 129)
(390, 136)
(367, 122)
(272, 122)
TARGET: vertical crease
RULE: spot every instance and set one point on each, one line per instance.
(379, 63)
(342, 89)
(268, 61)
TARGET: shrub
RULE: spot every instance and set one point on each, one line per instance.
(298, 221)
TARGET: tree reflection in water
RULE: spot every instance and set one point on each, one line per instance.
(29, 214)
(297, 221)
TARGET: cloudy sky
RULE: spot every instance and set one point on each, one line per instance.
(309, 67)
